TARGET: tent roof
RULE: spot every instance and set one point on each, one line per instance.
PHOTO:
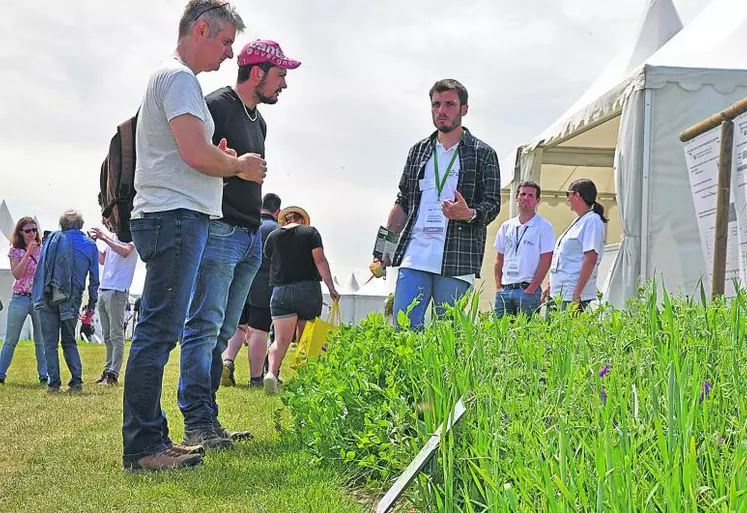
(658, 25)
(4, 247)
(708, 51)
(716, 38)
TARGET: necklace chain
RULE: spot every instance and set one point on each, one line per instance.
(245, 109)
(247, 113)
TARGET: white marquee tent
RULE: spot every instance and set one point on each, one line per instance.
(624, 133)
(370, 297)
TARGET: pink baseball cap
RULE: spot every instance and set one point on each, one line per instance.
(265, 51)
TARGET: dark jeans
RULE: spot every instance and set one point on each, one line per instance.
(229, 264)
(54, 330)
(171, 245)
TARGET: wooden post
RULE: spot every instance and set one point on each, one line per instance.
(723, 208)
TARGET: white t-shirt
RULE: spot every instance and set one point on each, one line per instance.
(118, 271)
(163, 180)
(521, 246)
(585, 234)
(425, 251)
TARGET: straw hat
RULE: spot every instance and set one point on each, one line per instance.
(293, 210)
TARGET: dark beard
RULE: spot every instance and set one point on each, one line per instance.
(261, 97)
(267, 99)
(448, 129)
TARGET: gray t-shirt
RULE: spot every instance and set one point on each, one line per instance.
(163, 180)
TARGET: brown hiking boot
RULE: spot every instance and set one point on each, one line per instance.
(167, 459)
(187, 449)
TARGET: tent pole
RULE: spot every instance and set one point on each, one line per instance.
(645, 185)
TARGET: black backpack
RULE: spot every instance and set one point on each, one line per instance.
(117, 180)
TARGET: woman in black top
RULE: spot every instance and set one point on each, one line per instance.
(297, 265)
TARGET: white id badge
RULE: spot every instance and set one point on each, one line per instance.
(427, 184)
(435, 220)
(512, 266)
(554, 261)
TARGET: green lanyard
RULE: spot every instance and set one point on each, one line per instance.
(441, 183)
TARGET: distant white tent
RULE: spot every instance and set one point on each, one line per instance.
(7, 225)
(626, 137)
(353, 284)
(370, 298)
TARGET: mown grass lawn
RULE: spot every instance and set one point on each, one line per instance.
(63, 452)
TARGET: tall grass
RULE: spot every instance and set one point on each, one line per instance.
(640, 409)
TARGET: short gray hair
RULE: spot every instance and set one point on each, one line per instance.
(217, 14)
(71, 220)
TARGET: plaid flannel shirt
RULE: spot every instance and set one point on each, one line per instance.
(480, 184)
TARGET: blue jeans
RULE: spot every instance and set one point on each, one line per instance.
(424, 286)
(552, 307)
(513, 301)
(171, 245)
(19, 308)
(57, 330)
(229, 263)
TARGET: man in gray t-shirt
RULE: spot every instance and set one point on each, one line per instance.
(178, 178)
(163, 180)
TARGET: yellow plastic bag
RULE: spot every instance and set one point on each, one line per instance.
(315, 337)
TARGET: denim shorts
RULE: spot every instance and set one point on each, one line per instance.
(303, 299)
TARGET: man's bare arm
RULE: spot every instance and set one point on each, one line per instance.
(397, 219)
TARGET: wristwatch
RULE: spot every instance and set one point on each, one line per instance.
(473, 216)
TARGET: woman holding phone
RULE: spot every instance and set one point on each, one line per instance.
(24, 255)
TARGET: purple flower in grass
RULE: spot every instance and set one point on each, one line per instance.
(604, 371)
(603, 397)
(706, 390)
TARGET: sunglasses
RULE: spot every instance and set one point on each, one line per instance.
(31, 230)
(210, 9)
(568, 193)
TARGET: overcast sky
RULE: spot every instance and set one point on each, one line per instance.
(338, 137)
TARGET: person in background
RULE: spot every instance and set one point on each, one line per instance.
(87, 330)
(575, 260)
(297, 265)
(24, 256)
(119, 260)
(256, 319)
(524, 247)
(66, 258)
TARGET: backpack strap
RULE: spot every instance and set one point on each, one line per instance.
(127, 135)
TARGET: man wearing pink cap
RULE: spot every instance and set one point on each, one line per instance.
(233, 252)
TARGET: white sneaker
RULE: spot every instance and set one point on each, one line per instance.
(271, 384)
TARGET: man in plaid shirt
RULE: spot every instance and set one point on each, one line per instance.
(448, 194)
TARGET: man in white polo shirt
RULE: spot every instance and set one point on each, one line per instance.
(525, 244)
(119, 260)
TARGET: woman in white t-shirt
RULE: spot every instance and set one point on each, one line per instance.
(575, 260)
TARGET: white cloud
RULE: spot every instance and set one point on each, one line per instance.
(338, 138)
